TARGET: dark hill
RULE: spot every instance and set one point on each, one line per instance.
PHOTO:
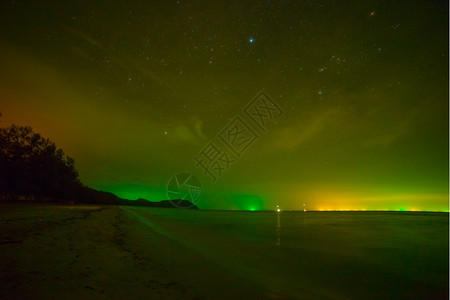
(34, 170)
(92, 196)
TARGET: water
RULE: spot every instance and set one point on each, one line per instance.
(318, 255)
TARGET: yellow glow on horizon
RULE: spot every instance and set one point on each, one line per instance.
(326, 200)
(374, 210)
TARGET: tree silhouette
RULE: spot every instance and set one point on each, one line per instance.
(32, 168)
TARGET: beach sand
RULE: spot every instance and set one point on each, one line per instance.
(99, 253)
(94, 252)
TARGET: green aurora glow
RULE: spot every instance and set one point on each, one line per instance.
(133, 91)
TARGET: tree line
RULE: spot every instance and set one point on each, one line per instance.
(32, 168)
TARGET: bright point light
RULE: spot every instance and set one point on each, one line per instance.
(251, 40)
(278, 210)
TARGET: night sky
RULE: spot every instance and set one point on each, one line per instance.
(134, 91)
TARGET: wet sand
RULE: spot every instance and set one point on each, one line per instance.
(100, 253)
(92, 252)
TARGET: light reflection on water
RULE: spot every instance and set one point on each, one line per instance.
(343, 249)
(278, 229)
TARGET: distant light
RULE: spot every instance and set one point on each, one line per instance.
(278, 210)
(251, 40)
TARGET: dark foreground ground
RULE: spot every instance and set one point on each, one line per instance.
(62, 252)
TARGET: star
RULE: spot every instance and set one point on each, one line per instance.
(194, 79)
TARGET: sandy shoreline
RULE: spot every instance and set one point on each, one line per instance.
(111, 252)
(88, 252)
